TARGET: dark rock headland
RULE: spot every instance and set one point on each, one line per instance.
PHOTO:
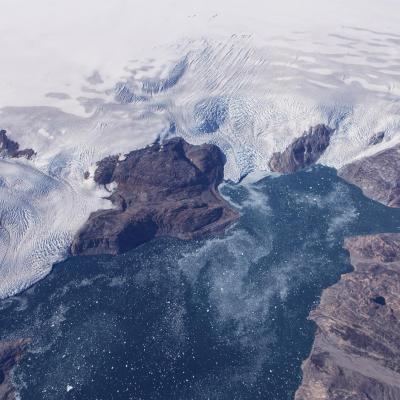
(167, 189)
(303, 152)
(9, 148)
(378, 176)
(356, 353)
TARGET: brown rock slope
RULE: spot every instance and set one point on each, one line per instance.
(378, 176)
(303, 152)
(10, 353)
(168, 189)
(356, 353)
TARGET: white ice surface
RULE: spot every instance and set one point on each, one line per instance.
(84, 79)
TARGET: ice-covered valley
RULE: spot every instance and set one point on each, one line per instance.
(83, 81)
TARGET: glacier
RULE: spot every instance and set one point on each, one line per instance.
(249, 77)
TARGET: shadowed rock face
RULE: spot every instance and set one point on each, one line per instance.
(377, 138)
(303, 152)
(378, 176)
(10, 353)
(356, 353)
(9, 148)
(168, 189)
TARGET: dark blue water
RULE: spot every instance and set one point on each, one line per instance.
(224, 318)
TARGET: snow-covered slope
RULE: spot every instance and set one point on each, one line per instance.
(82, 80)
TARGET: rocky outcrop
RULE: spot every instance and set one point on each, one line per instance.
(164, 189)
(10, 354)
(376, 138)
(378, 176)
(9, 148)
(356, 353)
(303, 152)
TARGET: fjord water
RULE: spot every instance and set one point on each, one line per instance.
(222, 318)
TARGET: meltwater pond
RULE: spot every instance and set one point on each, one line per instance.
(223, 318)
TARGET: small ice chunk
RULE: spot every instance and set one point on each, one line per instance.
(69, 388)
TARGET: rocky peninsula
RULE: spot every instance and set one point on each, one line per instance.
(303, 152)
(166, 189)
